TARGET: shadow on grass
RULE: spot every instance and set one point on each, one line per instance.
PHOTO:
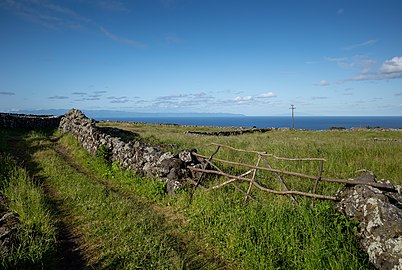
(21, 144)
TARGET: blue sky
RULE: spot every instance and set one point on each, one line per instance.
(239, 56)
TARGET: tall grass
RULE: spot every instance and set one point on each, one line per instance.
(271, 233)
(118, 231)
(33, 243)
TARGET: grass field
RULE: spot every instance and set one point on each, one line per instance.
(124, 221)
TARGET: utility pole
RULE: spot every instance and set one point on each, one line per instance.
(292, 107)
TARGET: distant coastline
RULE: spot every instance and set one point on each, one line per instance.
(301, 122)
(238, 120)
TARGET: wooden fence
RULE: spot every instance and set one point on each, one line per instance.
(262, 164)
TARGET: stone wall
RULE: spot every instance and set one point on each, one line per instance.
(379, 213)
(230, 132)
(10, 120)
(134, 155)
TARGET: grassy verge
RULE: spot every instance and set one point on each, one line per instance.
(271, 233)
(118, 231)
(34, 242)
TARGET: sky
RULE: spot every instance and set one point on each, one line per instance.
(232, 56)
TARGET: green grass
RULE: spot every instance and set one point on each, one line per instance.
(346, 151)
(126, 221)
(118, 231)
(34, 241)
(272, 233)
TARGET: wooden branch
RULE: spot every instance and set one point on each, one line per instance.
(222, 184)
(267, 189)
(266, 154)
(229, 181)
(205, 165)
(319, 176)
(242, 191)
(252, 178)
(280, 180)
(317, 196)
(333, 180)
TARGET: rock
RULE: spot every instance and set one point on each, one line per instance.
(146, 159)
(380, 221)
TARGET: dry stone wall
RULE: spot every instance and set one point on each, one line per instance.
(9, 120)
(379, 213)
(134, 155)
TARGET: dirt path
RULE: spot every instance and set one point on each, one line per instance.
(68, 255)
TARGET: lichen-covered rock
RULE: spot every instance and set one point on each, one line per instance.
(379, 213)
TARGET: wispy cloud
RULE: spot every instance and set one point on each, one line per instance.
(319, 98)
(127, 41)
(58, 97)
(390, 69)
(398, 94)
(358, 45)
(112, 5)
(122, 99)
(357, 61)
(7, 93)
(100, 92)
(322, 83)
(79, 93)
(55, 16)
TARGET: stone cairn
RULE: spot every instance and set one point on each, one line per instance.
(146, 159)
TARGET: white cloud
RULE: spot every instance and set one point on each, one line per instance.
(246, 98)
(266, 95)
(392, 66)
(390, 69)
(323, 83)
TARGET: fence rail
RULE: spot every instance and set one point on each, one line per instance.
(250, 176)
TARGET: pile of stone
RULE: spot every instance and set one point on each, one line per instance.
(134, 155)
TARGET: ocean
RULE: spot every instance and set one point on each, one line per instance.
(301, 122)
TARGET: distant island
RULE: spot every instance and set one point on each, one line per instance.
(124, 114)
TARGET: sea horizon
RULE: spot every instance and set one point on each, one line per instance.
(301, 122)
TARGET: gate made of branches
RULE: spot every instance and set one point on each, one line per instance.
(262, 164)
